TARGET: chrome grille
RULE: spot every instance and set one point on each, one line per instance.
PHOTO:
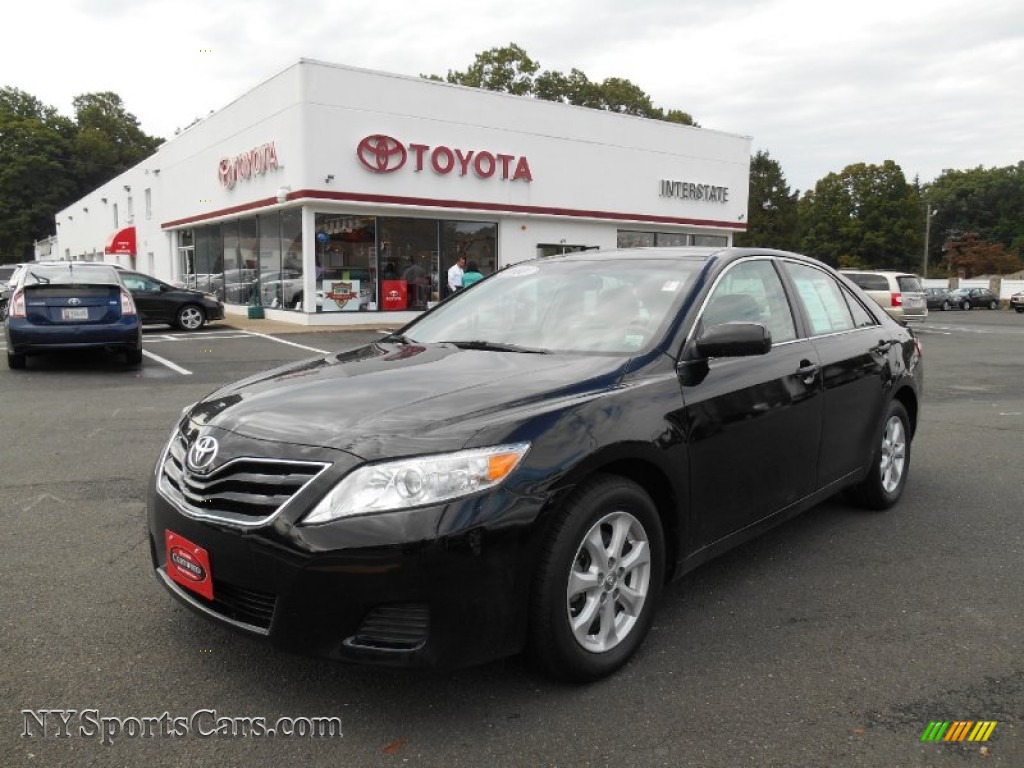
(246, 490)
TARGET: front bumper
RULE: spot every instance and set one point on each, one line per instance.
(388, 589)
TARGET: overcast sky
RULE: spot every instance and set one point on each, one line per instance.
(818, 84)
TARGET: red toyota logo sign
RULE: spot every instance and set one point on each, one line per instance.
(381, 154)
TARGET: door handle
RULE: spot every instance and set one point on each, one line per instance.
(808, 371)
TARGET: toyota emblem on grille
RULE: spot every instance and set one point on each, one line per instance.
(74, 302)
(202, 453)
(381, 154)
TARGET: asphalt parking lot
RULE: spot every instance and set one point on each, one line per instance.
(832, 641)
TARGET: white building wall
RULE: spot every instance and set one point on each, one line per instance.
(592, 172)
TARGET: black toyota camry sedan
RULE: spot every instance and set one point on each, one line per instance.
(527, 464)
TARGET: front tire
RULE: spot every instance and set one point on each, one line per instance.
(945, 306)
(965, 306)
(190, 318)
(599, 578)
(993, 305)
(890, 464)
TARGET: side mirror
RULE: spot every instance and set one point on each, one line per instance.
(733, 340)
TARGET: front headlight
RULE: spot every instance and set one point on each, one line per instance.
(417, 482)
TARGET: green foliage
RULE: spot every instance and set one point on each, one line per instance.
(48, 161)
(510, 69)
(867, 213)
(772, 219)
(987, 202)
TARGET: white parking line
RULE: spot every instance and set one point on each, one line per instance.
(168, 363)
(289, 343)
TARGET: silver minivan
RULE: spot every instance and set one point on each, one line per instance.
(901, 294)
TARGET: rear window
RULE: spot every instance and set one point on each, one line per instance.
(909, 283)
(70, 274)
(869, 282)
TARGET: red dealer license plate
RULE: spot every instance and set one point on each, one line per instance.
(189, 564)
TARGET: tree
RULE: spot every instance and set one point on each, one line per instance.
(987, 202)
(867, 215)
(109, 140)
(772, 220)
(972, 256)
(511, 70)
(35, 150)
(48, 161)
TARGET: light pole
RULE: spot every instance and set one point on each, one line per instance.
(927, 231)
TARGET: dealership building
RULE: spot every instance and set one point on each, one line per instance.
(335, 195)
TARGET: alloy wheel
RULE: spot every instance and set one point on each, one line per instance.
(609, 582)
(894, 454)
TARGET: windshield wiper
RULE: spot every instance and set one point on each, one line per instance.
(397, 338)
(497, 346)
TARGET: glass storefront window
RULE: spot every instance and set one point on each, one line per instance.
(634, 239)
(476, 240)
(630, 239)
(409, 255)
(711, 240)
(346, 263)
(230, 256)
(671, 239)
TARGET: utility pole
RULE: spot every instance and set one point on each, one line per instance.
(927, 231)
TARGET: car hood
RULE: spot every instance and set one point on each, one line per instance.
(399, 399)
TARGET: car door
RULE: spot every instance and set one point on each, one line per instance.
(853, 347)
(149, 299)
(752, 424)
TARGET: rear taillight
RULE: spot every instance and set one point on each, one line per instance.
(127, 303)
(16, 306)
(897, 300)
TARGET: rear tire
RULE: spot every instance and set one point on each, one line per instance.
(993, 305)
(890, 463)
(965, 306)
(598, 580)
(133, 356)
(945, 306)
(15, 361)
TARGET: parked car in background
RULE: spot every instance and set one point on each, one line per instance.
(972, 298)
(281, 288)
(938, 298)
(528, 463)
(900, 294)
(160, 302)
(62, 306)
(7, 279)
(1017, 302)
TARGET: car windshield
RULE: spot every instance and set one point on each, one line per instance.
(564, 305)
(69, 274)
